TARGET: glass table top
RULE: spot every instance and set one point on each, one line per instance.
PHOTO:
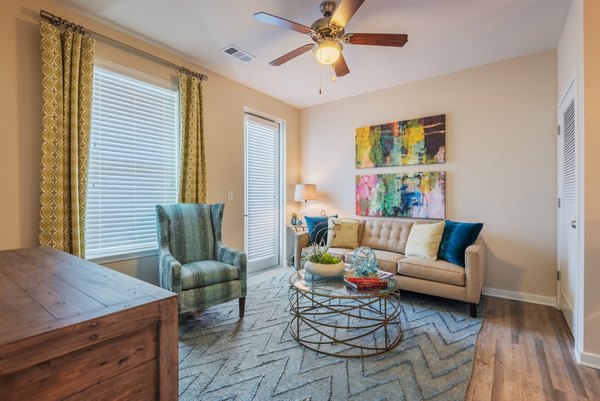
(335, 287)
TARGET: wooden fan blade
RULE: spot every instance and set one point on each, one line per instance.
(345, 11)
(377, 39)
(282, 22)
(340, 67)
(294, 53)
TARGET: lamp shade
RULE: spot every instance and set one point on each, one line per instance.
(305, 192)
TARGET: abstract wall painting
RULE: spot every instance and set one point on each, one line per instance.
(412, 195)
(402, 143)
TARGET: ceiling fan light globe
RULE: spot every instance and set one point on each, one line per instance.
(328, 51)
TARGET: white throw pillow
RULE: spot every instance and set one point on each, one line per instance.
(424, 240)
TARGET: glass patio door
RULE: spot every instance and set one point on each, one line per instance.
(263, 188)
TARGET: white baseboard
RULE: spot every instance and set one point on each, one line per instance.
(568, 312)
(520, 296)
(589, 360)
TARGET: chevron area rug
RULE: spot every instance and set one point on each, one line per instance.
(223, 358)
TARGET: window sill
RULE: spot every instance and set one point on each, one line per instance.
(125, 256)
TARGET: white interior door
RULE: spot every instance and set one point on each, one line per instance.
(568, 207)
(263, 183)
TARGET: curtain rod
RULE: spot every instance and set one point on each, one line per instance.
(54, 20)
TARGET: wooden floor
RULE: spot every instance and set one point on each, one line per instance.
(524, 352)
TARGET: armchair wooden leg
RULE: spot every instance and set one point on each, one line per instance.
(473, 308)
(242, 306)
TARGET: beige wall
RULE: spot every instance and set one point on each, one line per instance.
(591, 145)
(501, 158)
(20, 106)
(570, 48)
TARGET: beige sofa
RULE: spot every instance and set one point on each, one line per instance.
(388, 239)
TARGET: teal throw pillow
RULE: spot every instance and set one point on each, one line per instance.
(456, 239)
(317, 229)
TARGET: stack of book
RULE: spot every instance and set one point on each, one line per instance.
(368, 283)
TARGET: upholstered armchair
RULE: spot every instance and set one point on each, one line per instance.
(193, 261)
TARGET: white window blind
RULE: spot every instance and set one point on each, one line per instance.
(262, 180)
(133, 162)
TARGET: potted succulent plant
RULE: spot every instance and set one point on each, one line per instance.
(320, 263)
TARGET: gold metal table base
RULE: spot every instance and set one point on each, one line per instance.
(349, 327)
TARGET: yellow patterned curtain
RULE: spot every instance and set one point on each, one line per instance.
(192, 186)
(67, 77)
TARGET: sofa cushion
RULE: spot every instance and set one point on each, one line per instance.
(424, 240)
(386, 235)
(343, 233)
(456, 239)
(433, 270)
(207, 272)
(337, 252)
(386, 260)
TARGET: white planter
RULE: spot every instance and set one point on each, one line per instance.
(324, 270)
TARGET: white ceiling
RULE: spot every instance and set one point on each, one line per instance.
(444, 36)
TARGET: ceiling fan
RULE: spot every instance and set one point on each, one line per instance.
(329, 36)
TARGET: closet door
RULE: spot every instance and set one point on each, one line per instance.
(568, 238)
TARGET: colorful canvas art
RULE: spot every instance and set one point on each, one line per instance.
(415, 195)
(402, 143)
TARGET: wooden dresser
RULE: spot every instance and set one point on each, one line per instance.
(73, 330)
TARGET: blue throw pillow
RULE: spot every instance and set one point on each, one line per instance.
(456, 239)
(317, 229)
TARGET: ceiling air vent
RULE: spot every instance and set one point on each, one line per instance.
(238, 53)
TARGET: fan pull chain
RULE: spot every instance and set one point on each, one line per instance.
(320, 79)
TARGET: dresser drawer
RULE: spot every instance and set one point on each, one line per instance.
(76, 371)
(137, 384)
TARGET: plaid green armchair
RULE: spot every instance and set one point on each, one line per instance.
(193, 261)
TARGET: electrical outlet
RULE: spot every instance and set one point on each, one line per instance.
(229, 195)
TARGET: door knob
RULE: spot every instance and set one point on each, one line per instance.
(573, 224)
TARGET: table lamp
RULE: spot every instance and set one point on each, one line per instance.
(304, 193)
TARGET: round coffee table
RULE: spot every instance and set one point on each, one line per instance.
(331, 318)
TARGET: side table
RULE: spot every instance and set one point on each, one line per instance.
(291, 229)
(299, 227)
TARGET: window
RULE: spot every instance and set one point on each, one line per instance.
(133, 162)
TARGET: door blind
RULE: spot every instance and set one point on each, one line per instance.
(262, 138)
(133, 162)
